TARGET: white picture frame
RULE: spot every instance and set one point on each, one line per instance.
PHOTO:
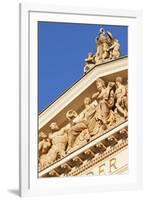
(29, 183)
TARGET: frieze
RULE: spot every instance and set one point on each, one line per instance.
(104, 110)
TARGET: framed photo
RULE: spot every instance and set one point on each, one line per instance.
(80, 100)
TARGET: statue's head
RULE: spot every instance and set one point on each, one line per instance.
(119, 80)
(71, 114)
(101, 30)
(90, 54)
(53, 126)
(111, 84)
(100, 84)
(87, 101)
(42, 135)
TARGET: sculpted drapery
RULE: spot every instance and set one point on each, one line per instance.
(105, 109)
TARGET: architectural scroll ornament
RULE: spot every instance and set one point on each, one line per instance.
(104, 110)
(107, 48)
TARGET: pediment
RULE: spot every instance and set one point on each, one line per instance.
(73, 99)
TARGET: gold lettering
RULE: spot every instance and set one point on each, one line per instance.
(113, 164)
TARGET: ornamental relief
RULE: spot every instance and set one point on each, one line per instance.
(105, 109)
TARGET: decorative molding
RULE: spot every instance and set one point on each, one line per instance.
(75, 155)
(101, 157)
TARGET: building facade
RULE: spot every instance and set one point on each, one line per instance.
(87, 135)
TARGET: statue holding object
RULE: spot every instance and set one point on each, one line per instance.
(107, 48)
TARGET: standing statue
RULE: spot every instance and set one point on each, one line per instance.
(89, 114)
(99, 45)
(125, 101)
(103, 110)
(121, 95)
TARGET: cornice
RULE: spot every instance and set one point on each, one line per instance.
(108, 140)
(100, 158)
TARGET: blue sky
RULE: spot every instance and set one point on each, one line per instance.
(62, 48)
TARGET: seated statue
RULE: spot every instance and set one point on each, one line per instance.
(95, 126)
(76, 128)
(44, 146)
(81, 139)
(99, 129)
(59, 140)
(108, 47)
(114, 49)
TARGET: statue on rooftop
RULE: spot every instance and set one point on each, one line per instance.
(114, 46)
(99, 45)
(89, 62)
(107, 48)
